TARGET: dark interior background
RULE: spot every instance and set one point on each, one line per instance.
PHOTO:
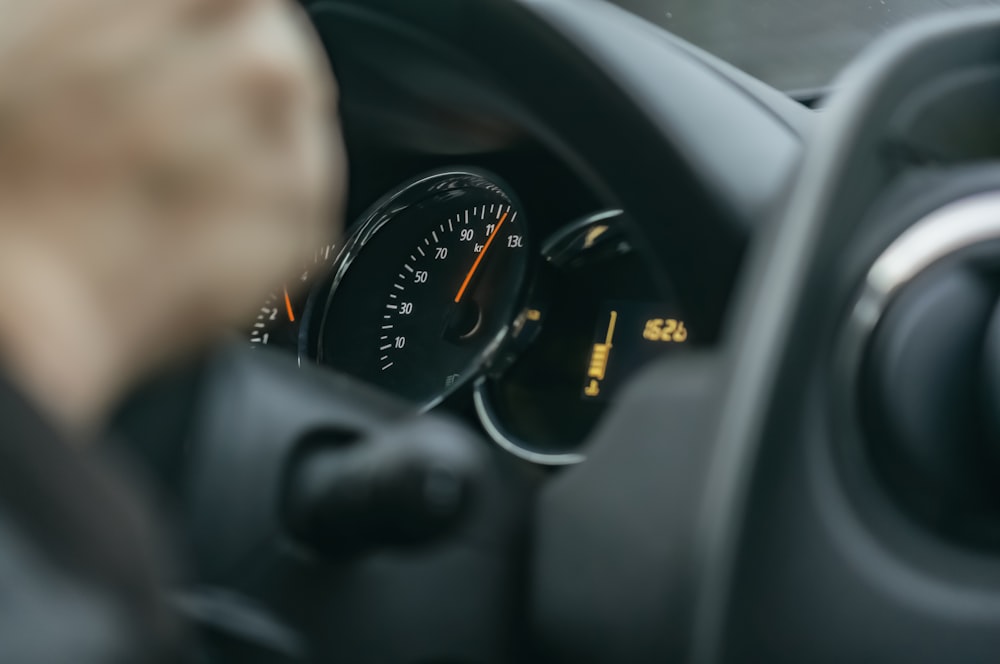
(791, 44)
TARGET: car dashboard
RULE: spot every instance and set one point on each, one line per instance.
(663, 282)
(502, 261)
(521, 307)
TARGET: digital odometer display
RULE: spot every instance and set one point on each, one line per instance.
(590, 325)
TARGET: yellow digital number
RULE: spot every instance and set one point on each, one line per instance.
(668, 330)
(653, 329)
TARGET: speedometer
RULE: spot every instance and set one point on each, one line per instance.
(427, 286)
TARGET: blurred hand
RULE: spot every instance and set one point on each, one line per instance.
(162, 164)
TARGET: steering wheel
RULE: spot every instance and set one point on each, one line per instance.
(813, 484)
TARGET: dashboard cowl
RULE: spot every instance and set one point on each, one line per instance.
(698, 154)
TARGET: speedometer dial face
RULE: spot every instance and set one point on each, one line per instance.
(428, 286)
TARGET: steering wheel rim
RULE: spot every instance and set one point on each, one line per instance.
(790, 279)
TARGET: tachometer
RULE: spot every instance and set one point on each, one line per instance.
(280, 322)
(428, 285)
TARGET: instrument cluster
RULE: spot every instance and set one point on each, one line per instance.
(448, 294)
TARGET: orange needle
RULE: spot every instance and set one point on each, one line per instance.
(288, 307)
(479, 259)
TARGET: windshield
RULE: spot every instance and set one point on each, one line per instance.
(791, 44)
